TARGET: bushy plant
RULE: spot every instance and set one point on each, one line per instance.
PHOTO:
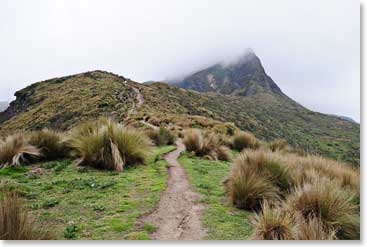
(110, 145)
(16, 150)
(207, 146)
(242, 140)
(313, 229)
(272, 224)
(50, 143)
(329, 203)
(246, 187)
(162, 136)
(15, 223)
(193, 140)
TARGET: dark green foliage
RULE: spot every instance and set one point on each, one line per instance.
(70, 232)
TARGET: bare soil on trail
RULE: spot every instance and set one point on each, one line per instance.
(178, 215)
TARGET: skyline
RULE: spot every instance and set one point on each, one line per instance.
(310, 50)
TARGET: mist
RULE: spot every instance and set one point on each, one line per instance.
(311, 49)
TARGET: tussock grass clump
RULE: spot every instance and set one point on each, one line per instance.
(242, 140)
(313, 229)
(162, 136)
(193, 140)
(208, 146)
(109, 145)
(278, 145)
(15, 223)
(272, 224)
(329, 203)
(16, 150)
(247, 185)
(346, 175)
(50, 143)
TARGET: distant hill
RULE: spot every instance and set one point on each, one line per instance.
(3, 105)
(245, 76)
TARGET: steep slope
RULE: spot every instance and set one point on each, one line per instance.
(63, 102)
(245, 76)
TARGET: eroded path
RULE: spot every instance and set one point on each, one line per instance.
(178, 214)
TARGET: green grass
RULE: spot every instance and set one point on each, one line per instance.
(221, 219)
(85, 203)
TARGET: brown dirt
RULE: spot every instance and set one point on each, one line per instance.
(178, 214)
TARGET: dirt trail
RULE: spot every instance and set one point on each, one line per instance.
(139, 97)
(178, 214)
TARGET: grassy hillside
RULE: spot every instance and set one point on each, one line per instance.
(63, 102)
(268, 116)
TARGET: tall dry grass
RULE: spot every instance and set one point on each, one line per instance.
(208, 145)
(109, 145)
(16, 150)
(272, 224)
(51, 144)
(15, 222)
(242, 140)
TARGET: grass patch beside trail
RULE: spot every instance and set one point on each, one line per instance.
(85, 203)
(220, 218)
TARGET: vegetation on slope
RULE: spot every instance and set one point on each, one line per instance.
(62, 103)
(267, 116)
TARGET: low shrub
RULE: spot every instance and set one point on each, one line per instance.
(162, 136)
(50, 143)
(16, 150)
(242, 140)
(272, 224)
(110, 145)
(207, 146)
(15, 223)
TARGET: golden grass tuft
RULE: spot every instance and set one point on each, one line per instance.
(208, 146)
(242, 140)
(109, 145)
(50, 143)
(16, 150)
(277, 145)
(15, 223)
(313, 229)
(272, 224)
(329, 203)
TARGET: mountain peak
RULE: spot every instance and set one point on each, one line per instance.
(243, 75)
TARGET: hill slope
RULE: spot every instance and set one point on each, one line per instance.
(62, 103)
(267, 115)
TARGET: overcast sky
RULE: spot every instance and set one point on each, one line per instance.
(310, 48)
